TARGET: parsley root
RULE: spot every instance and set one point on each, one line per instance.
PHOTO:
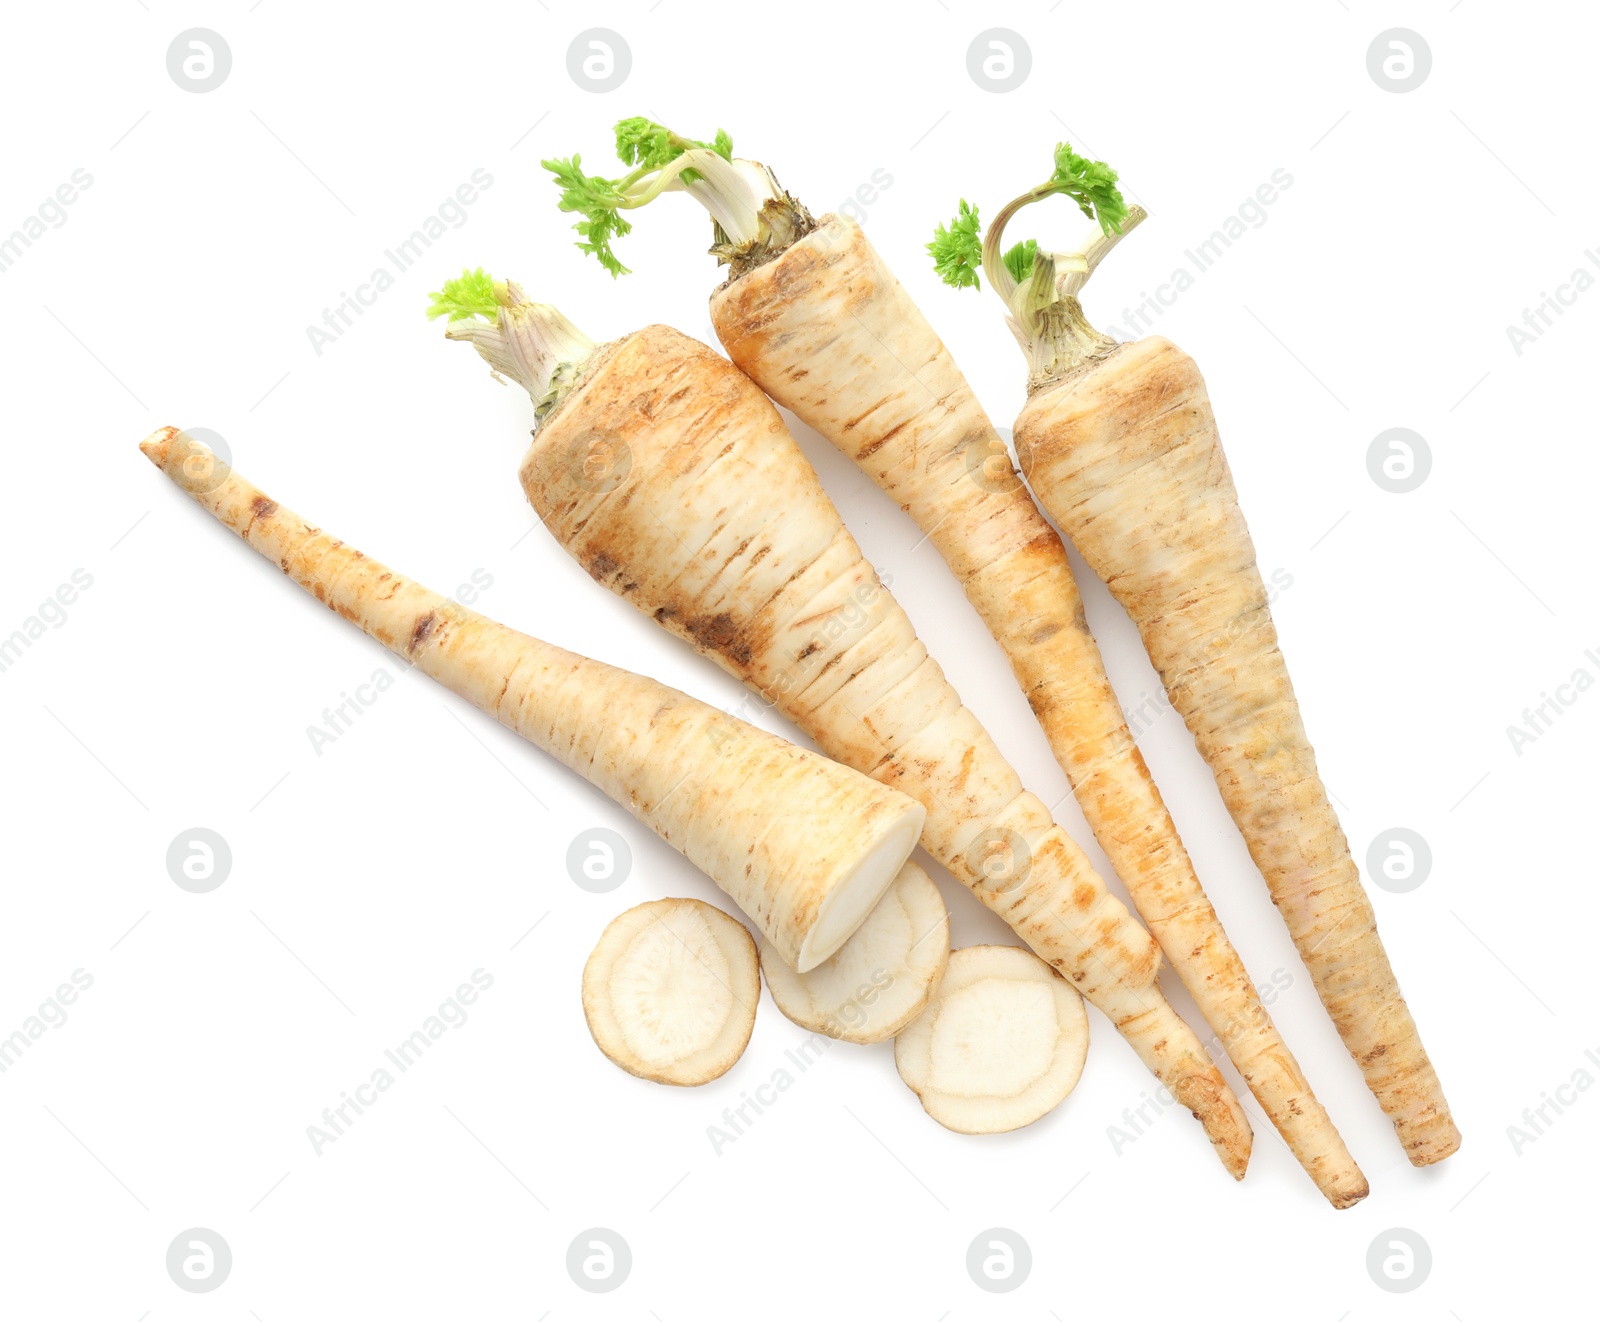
(1119, 443)
(804, 846)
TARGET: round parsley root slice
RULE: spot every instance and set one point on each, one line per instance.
(881, 978)
(670, 991)
(1002, 1042)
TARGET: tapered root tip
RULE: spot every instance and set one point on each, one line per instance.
(157, 446)
(1219, 1112)
(1346, 1196)
(1435, 1142)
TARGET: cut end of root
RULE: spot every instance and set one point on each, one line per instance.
(855, 896)
(881, 978)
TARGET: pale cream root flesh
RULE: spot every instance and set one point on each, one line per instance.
(828, 331)
(717, 528)
(1002, 1042)
(670, 991)
(881, 978)
(1125, 454)
(796, 840)
(856, 895)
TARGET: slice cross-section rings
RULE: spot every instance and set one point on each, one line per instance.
(881, 978)
(1002, 1042)
(670, 991)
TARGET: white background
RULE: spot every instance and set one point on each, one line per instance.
(369, 881)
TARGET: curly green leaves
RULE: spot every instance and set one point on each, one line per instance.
(1019, 259)
(470, 294)
(1092, 185)
(598, 200)
(653, 146)
(649, 148)
(957, 251)
(957, 248)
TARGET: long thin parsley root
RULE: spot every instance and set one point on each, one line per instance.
(804, 846)
(671, 478)
(1121, 446)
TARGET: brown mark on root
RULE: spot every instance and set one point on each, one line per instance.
(719, 633)
(263, 507)
(420, 634)
(872, 447)
(601, 567)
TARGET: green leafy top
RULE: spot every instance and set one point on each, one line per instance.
(1092, 185)
(957, 249)
(654, 146)
(598, 200)
(648, 147)
(1019, 259)
(471, 294)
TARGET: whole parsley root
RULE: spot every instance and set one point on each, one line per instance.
(804, 846)
(671, 478)
(1120, 445)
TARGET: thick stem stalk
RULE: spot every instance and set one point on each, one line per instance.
(531, 343)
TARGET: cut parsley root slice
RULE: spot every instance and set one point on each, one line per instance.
(881, 978)
(670, 991)
(1002, 1043)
